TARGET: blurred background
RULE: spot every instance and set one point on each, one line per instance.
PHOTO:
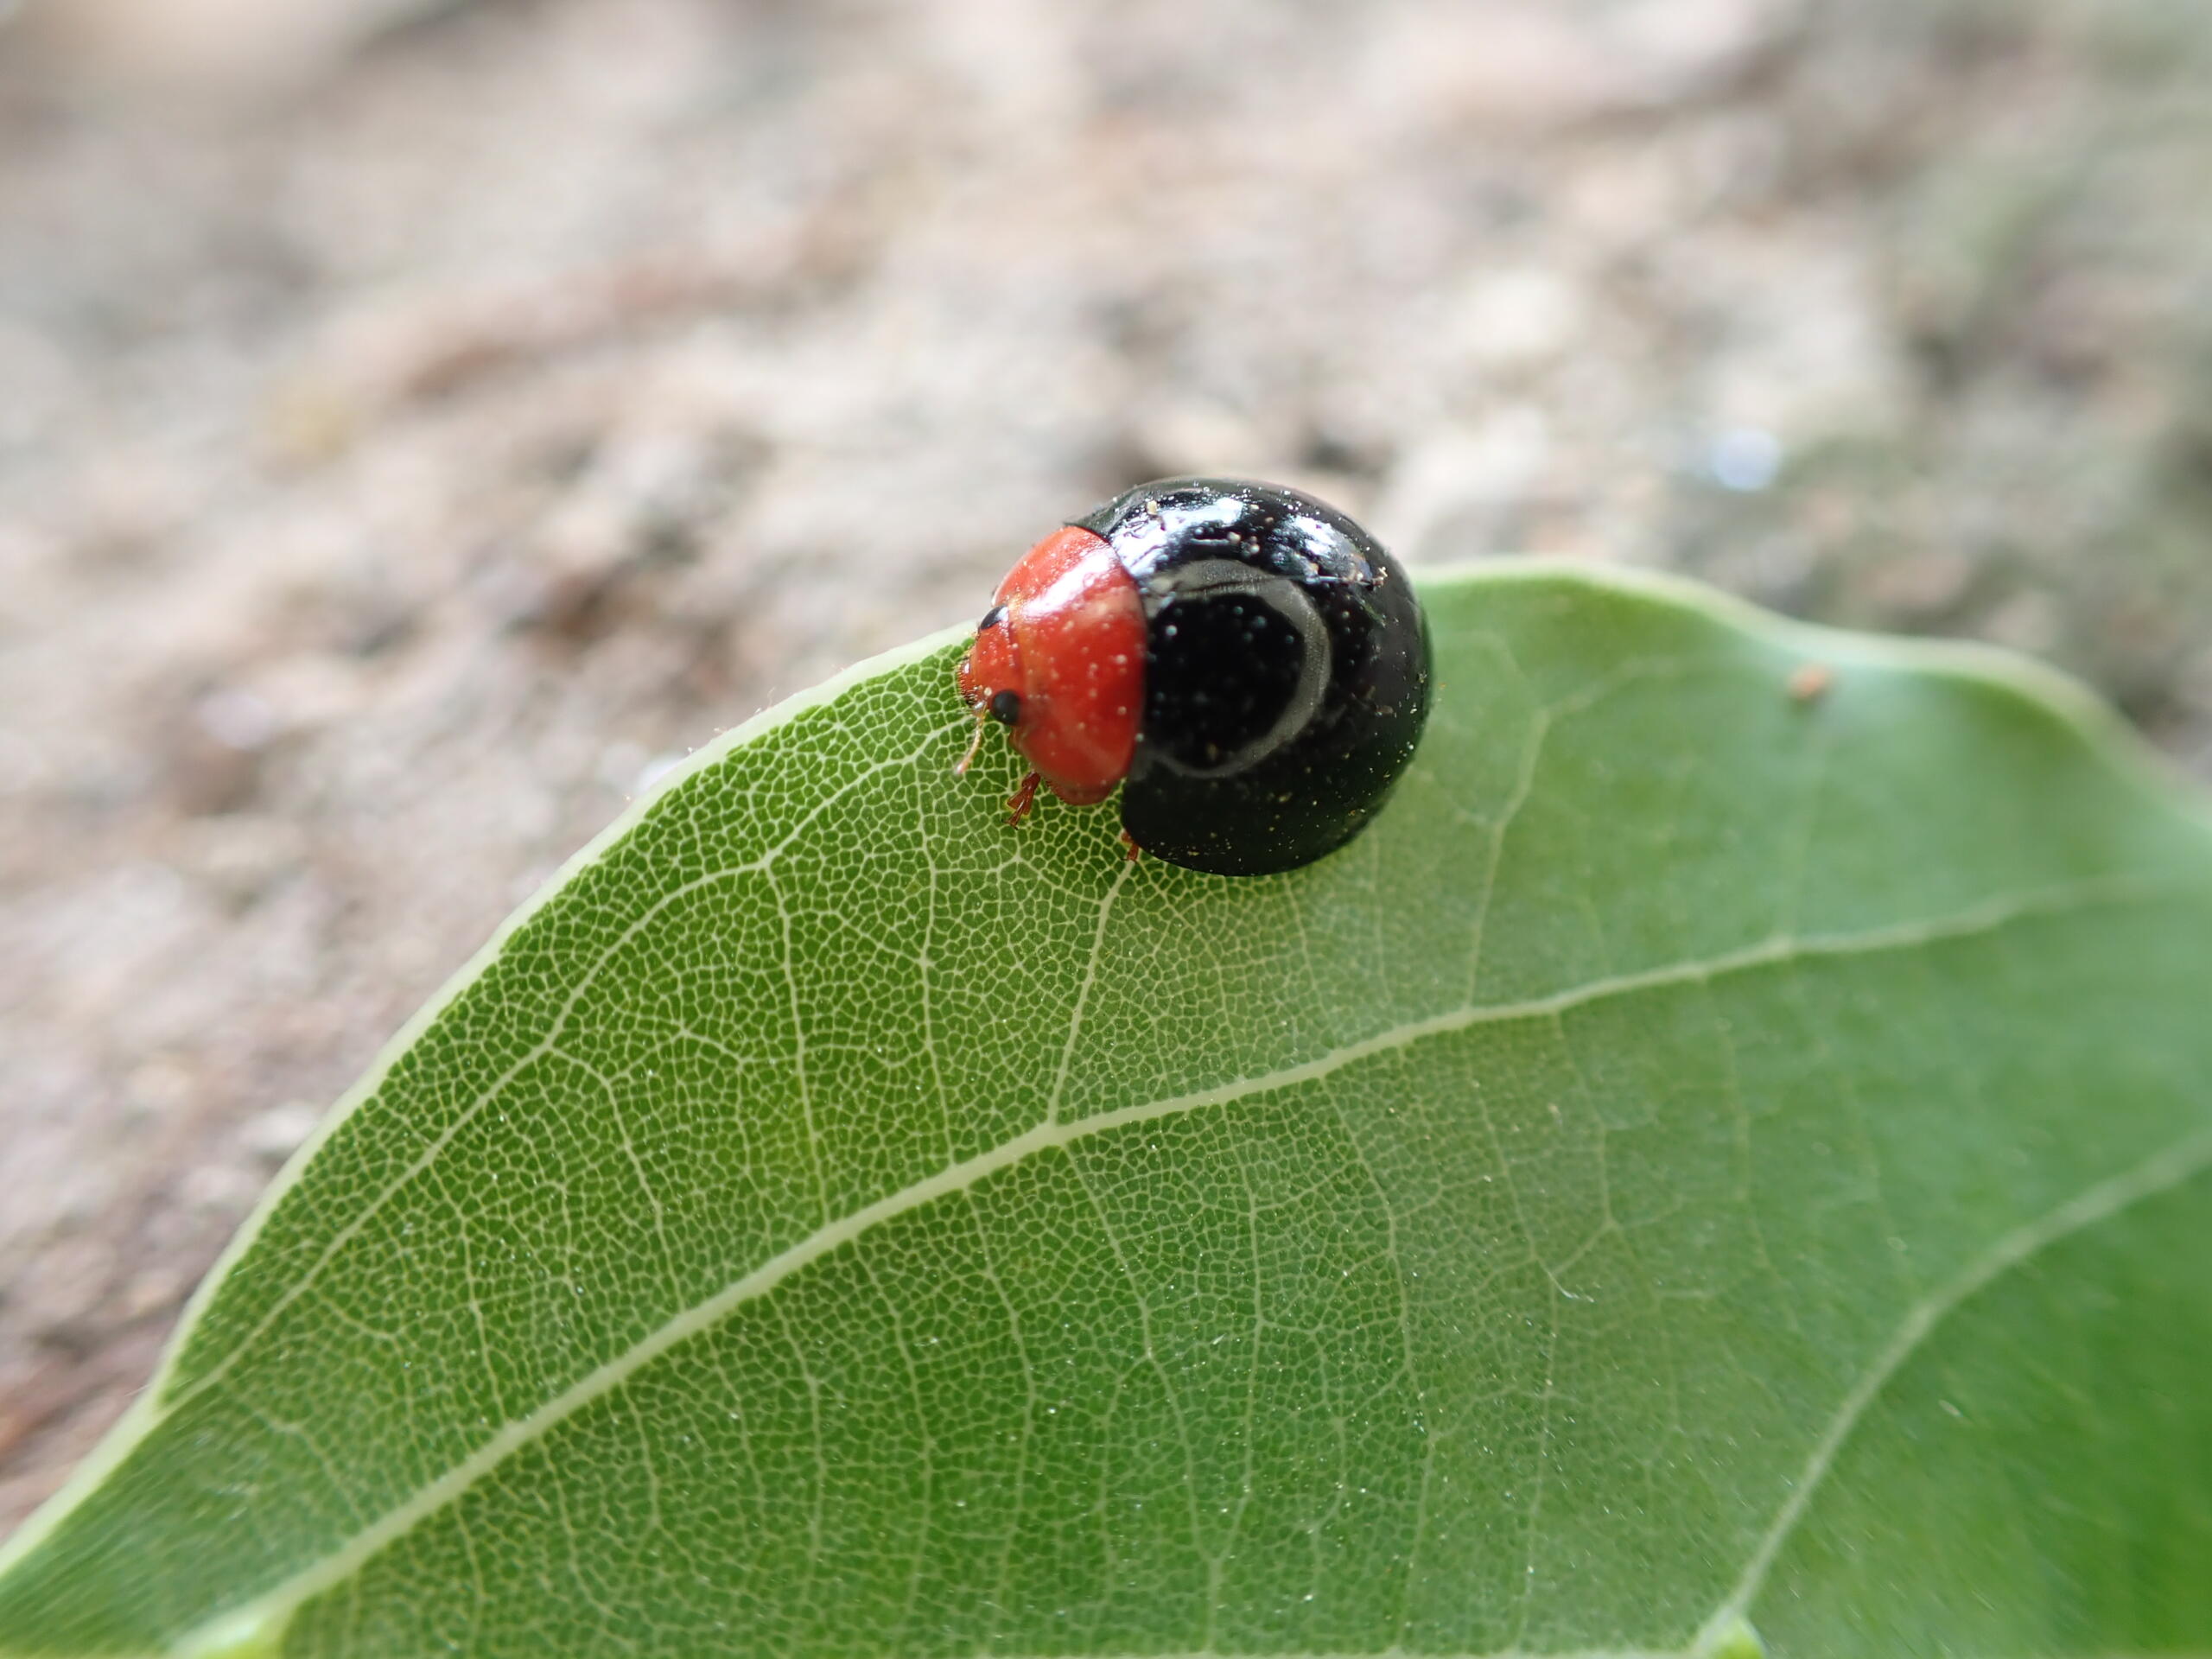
(420, 422)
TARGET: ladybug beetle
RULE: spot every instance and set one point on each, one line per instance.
(1242, 661)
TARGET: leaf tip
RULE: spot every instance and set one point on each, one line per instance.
(1729, 1636)
(252, 1632)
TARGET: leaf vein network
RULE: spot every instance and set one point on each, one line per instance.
(2154, 1175)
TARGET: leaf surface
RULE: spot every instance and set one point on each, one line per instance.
(1726, 1151)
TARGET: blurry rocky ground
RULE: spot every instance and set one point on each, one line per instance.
(419, 422)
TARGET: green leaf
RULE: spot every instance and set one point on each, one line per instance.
(1723, 1161)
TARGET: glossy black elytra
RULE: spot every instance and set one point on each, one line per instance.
(1243, 660)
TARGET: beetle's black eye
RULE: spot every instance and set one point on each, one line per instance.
(1006, 707)
(991, 617)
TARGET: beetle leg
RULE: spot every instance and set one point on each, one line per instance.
(975, 745)
(1024, 796)
(1130, 841)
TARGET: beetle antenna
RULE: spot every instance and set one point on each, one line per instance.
(975, 747)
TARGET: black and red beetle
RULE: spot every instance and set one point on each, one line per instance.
(1243, 661)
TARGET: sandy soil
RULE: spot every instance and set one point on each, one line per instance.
(418, 421)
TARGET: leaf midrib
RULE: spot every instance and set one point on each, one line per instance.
(2160, 1171)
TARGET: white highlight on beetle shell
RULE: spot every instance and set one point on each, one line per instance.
(1221, 578)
